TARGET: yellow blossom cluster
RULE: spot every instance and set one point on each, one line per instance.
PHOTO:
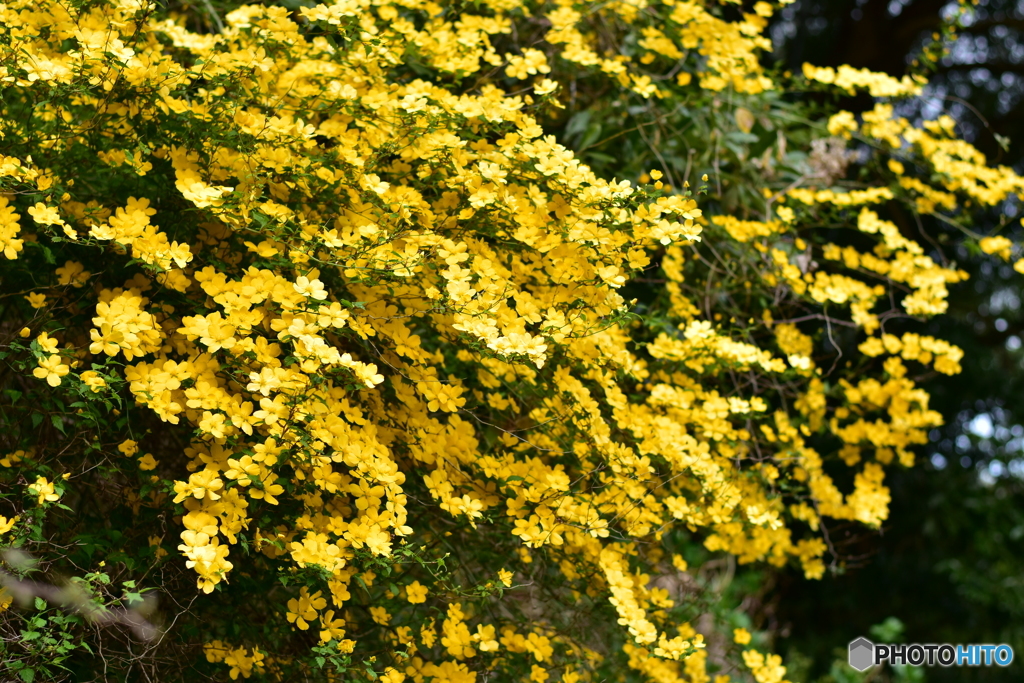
(243, 662)
(849, 79)
(367, 321)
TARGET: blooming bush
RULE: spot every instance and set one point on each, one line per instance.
(322, 345)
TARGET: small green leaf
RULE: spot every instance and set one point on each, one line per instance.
(58, 422)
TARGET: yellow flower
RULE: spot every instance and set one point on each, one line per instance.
(506, 577)
(128, 447)
(545, 86)
(416, 593)
(446, 397)
(842, 124)
(7, 524)
(998, 245)
(741, 636)
(147, 462)
(51, 369)
(73, 273)
(48, 343)
(200, 485)
(44, 490)
(14, 458)
(36, 300)
(311, 288)
(154, 541)
(45, 215)
(93, 381)
(303, 610)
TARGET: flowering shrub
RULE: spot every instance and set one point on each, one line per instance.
(314, 331)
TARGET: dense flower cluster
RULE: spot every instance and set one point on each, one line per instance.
(360, 312)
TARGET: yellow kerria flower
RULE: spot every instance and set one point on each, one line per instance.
(44, 491)
(416, 593)
(545, 86)
(93, 381)
(36, 300)
(45, 215)
(7, 524)
(73, 273)
(311, 288)
(48, 343)
(380, 615)
(51, 369)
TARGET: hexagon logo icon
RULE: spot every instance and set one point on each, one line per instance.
(862, 654)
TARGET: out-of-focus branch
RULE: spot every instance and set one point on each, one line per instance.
(74, 598)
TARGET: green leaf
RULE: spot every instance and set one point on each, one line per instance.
(27, 675)
(58, 422)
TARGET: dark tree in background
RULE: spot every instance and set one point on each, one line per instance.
(876, 34)
(980, 81)
(949, 563)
